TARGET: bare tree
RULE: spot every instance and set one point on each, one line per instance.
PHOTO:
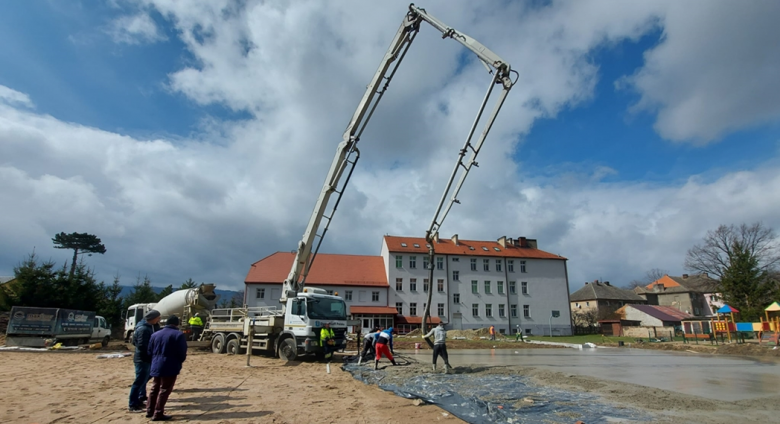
(654, 274)
(714, 256)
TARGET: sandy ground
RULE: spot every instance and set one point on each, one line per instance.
(74, 387)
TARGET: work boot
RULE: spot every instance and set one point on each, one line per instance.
(434, 367)
(376, 365)
(447, 368)
(393, 361)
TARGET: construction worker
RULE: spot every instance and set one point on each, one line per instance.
(196, 325)
(492, 331)
(327, 341)
(384, 346)
(439, 345)
(368, 344)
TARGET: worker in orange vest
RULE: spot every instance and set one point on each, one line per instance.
(492, 332)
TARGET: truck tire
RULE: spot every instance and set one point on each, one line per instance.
(129, 336)
(105, 341)
(288, 350)
(233, 347)
(218, 344)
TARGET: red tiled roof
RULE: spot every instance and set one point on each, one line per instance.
(377, 310)
(664, 281)
(447, 247)
(334, 270)
(401, 319)
(664, 313)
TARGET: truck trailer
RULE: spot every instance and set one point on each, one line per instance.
(41, 327)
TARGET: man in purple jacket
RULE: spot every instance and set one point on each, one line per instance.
(168, 349)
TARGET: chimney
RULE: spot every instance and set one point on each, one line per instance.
(586, 283)
(522, 242)
(531, 243)
(685, 276)
(606, 283)
(455, 240)
(502, 241)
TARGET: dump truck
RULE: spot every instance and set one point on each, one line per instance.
(41, 327)
(183, 303)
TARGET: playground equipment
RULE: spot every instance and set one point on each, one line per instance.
(725, 325)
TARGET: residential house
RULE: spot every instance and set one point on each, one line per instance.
(509, 283)
(652, 315)
(696, 295)
(597, 300)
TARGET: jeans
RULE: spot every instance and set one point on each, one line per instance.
(440, 349)
(158, 397)
(138, 390)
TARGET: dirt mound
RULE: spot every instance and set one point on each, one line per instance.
(414, 333)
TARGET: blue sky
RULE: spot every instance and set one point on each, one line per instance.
(172, 147)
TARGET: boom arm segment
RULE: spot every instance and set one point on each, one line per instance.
(347, 153)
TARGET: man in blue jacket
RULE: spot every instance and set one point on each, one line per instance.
(143, 361)
(168, 349)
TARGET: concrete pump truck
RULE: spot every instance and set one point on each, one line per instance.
(293, 329)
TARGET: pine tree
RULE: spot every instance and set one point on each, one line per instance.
(165, 292)
(189, 284)
(78, 242)
(142, 292)
(745, 285)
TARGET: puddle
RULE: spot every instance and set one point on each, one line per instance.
(479, 399)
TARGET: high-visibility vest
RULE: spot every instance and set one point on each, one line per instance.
(196, 321)
(325, 334)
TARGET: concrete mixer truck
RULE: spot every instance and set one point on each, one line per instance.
(183, 303)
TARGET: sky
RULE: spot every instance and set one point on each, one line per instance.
(193, 138)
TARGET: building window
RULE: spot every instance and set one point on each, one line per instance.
(375, 296)
(498, 265)
(260, 293)
(587, 303)
(413, 309)
(456, 298)
(425, 262)
(425, 285)
(473, 264)
(455, 275)
(486, 265)
(474, 286)
(488, 310)
(526, 311)
(524, 287)
(413, 284)
(399, 261)
(513, 311)
(455, 259)
(487, 287)
(510, 265)
(475, 309)
(412, 261)
(439, 263)
(522, 266)
(500, 285)
(440, 285)
(347, 294)
(399, 306)
(501, 311)
(512, 287)
(440, 309)
(399, 284)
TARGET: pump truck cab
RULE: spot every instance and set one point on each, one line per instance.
(288, 333)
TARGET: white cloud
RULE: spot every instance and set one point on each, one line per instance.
(715, 72)
(14, 97)
(209, 206)
(135, 29)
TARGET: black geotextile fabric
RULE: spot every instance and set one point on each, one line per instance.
(491, 398)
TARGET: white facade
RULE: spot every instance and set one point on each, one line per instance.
(509, 292)
(269, 294)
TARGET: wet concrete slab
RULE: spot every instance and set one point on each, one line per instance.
(714, 377)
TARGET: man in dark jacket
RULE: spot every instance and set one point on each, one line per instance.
(143, 362)
(168, 349)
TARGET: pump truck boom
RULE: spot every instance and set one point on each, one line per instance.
(295, 329)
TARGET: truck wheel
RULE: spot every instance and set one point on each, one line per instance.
(233, 347)
(288, 350)
(129, 336)
(105, 341)
(218, 344)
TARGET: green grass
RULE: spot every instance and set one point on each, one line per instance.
(585, 338)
